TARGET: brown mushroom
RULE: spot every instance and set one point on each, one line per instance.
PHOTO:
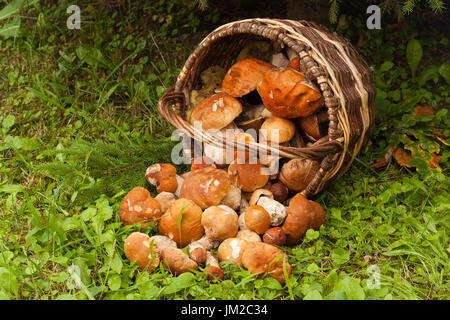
(276, 210)
(318, 217)
(286, 93)
(139, 207)
(138, 248)
(177, 261)
(220, 222)
(162, 176)
(298, 220)
(247, 176)
(216, 111)
(314, 126)
(232, 249)
(280, 191)
(233, 198)
(298, 173)
(275, 236)
(257, 219)
(206, 187)
(162, 242)
(277, 130)
(260, 257)
(244, 76)
(182, 222)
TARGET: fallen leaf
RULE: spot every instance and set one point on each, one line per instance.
(402, 157)
(422, 110)
(382, 162)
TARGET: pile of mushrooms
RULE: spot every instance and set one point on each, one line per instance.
(229, 210)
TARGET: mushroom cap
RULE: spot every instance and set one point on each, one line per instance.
(275, 236)
(220, 222)
(244, 76)
(190, 227)
(162, 176)
(297, 173)
(137, 247)
(177, 261)
(318, 217)
(216, 111)
(248, 176)
(138, 206)
(278, 130)
(206, 187)
(232, 249)
(163, 242)
(310, 127)
(257, 219)
(202, 162)
(263, 257)
(287, 94)
(298, 219)
(248, 235)
(280, 191)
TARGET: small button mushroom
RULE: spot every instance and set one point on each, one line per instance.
(216, 111)
(275, 236)
(298, 219)
(248, 235)
(212, 269)
(232, 249)
(260, 257)
(177, 261)
(286, 93)
(206, 187)
(138, 248)
(247, 176)
(202, 162)
(220, 222)
(298, 173)
(139, 207)
(165, 199)
(257, 219)
(197, 249)
(280, 191)
(275, 209)
(233, 198)
(277, 130)
(182, 222)
(244, 76)
(162, 176)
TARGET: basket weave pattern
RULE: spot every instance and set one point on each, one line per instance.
(344, 79)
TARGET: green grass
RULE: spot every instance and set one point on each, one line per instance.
(79, 124)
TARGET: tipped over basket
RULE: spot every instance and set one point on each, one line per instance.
(330, 61)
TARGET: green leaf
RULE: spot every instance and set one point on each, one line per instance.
(11, 29)
(10, 8)
(386, 66)
(429, 73)
(88, 214)
(413, 54)
(114, 282)
(352, 288)
(116, 264)
(340, 256)
(444, 71)
(7, 123)
(11, 188)
(313, 295)
(184, 280)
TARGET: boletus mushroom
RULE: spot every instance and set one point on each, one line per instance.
(260, 257)
(277, 130)
(182, 222)
(206, 187)
(139, 248)
(287, 94)
(256, 218)
(162, 176)
(232, 249)
(220, 222)
(244, 76)
(275, 236)
(139, 207)
(248, 176)
(177, 261)
(298, 173)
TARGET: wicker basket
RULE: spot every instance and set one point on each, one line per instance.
(343, 77)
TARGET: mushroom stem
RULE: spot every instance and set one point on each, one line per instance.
(212, 269)
(197, 249)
